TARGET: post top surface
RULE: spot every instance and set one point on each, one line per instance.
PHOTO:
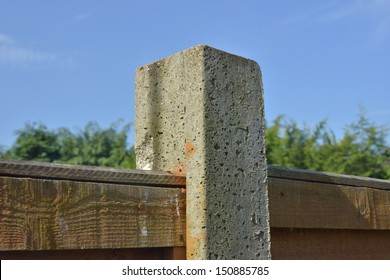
(201, 49)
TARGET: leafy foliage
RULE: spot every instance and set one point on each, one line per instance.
(362, 150)
(91, 146)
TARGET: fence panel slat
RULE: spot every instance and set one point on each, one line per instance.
(302, 204)
(41, 214)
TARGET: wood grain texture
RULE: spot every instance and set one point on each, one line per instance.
(39, 214)
(175, 253)
(302, 204)
(329, 244)
(53, 208)
(87, 254)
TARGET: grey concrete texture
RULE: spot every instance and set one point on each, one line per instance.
(201, 112)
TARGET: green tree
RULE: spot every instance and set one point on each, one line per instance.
(2, 151)
(361, 151)
(291, 146)
(35, 142)
(90, 146)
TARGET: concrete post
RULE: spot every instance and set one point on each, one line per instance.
(201, 112)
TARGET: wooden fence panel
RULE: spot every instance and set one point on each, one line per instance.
(155, 253)
(319, 215)
(329, 244)
(47, 214)
(301, 204)
(52, 210)
(313, 215)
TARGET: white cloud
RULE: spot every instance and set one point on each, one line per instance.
(4, 39)
(12, 53)
(81, 17)
(376, 13)
(341, 12)
(380, 113)
(306, 15)
(382, 30)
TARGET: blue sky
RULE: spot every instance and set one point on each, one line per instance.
(65, 63)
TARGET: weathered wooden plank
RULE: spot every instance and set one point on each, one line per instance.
(88, 254)
(303, 204)
(38, 214)
(327, 177)
(175, 253)
(329, 244)
(89, 173)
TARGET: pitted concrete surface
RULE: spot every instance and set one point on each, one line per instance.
(201, 112)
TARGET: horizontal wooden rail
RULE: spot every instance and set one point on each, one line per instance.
(97, 174)
(326, 177)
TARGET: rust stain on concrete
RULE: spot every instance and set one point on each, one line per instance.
(179, 169)
(192, 246)
(190, 150)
